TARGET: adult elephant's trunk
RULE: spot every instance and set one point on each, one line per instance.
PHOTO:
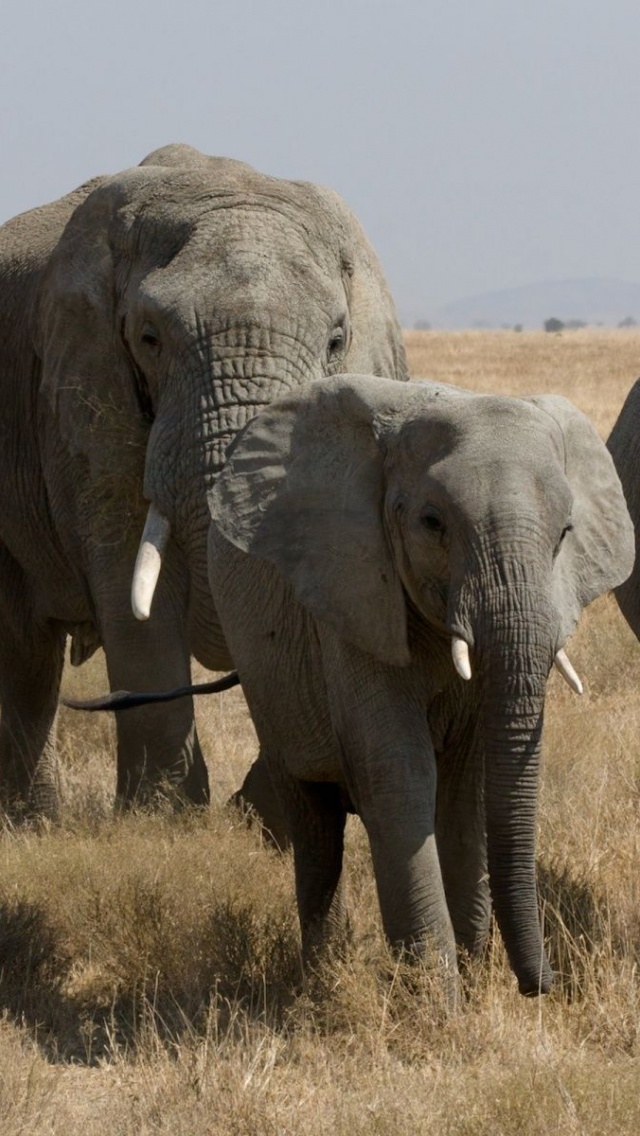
(516, 647)
(235, 375)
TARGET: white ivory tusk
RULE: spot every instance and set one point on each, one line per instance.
(157, 530)
(460, 656)
(567, 671)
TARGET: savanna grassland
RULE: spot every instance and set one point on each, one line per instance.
(149, 976)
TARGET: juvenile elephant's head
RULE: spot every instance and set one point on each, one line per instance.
(186, 294)
(496, 519)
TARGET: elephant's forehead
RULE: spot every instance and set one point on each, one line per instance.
(484, 422)
(260, 239)
(245, 248)
(483, 436)
(223, 201)
(243, 276)
(509, 421)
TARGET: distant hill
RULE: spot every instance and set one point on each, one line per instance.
(593, 301)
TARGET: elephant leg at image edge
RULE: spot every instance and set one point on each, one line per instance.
(30, 673)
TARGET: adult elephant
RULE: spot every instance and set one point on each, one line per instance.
(396, 569)
(624, 446)
(144, 319)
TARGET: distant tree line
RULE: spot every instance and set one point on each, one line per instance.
(554, 324)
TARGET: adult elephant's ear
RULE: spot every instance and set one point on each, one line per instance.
(598, 551)
(89, 398)
(303, 488)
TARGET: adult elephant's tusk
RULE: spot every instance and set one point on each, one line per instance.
(460, 656)
(567, 671)
(157, 530)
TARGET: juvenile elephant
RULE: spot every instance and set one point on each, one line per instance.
(395, 568)
(144, 319)
(624, 446)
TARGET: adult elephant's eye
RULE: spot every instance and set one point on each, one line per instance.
(567, 528)
(150, 337)
(432, 520)
(337, 342)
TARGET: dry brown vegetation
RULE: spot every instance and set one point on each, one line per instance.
(149, 977)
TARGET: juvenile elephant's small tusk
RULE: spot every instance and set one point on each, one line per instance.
(567, 671)
(156, 533)
(460, 656)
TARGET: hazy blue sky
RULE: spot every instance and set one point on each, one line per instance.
(482, 144)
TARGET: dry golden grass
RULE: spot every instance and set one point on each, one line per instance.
(149, 974)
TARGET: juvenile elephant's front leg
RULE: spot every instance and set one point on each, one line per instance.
(317, 832)
(158, 747)
(379, 714)
(462, 839)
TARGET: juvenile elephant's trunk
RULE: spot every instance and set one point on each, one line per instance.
(515, 661)
(504, 610)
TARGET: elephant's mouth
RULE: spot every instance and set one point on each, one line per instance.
(462, 663)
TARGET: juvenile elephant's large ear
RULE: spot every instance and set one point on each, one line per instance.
(598, 552)
(303, 488)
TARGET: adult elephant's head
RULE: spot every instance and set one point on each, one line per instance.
(496, 519)
(186, 294)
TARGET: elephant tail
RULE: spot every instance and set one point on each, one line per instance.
(125, 700)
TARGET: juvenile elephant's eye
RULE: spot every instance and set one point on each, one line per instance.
(432, 520)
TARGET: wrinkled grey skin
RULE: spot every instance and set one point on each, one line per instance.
(356, 528)
(144, 319)
(624, 447)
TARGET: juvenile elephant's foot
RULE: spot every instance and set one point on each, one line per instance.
(428, 963)
(472, 926)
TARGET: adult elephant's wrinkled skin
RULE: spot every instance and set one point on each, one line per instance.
(144, 319)
(396, 568)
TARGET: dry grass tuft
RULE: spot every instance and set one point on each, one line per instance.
(149, 971)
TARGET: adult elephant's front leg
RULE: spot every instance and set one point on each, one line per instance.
(158, 749)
